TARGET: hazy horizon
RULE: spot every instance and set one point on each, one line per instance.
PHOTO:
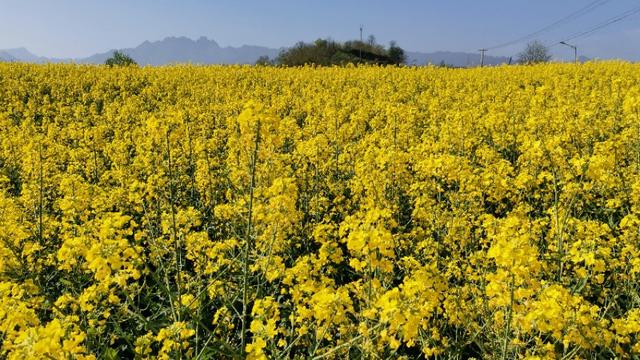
(76, 29)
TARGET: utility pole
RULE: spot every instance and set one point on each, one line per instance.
(575, 50)
(482, 51)
(361, 43)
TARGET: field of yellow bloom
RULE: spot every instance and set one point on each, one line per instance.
(324, 213)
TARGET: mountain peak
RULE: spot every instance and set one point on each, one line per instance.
(177, 38)
(19, 49)
(204, 39)
(22, 54)
(186, 41)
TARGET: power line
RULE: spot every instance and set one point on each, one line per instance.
(574, 15)
(604, 24)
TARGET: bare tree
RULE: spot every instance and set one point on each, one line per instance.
(371, 40)
(535, 52)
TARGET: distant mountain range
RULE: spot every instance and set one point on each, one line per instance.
(206, 51)
(23, 55)
(458, 59)
(184, 50)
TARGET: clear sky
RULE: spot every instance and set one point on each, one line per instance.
(78, 28)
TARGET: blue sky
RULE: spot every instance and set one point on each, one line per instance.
(75, 28)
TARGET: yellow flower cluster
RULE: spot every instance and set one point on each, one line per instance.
(324, 213)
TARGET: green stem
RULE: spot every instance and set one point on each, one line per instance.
(247, 243)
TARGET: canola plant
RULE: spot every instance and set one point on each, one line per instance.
(322, 213)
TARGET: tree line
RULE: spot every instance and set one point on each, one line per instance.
(327, 52)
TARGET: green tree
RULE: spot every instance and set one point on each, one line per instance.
(396, 54)
(264, 60)
(120, 59)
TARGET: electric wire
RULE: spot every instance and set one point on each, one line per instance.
(602, 25)
(574, 15)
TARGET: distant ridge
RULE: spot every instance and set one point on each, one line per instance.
(450, 58)
(185, 50)
(6, 56)
(23, 55)
(182, 49)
